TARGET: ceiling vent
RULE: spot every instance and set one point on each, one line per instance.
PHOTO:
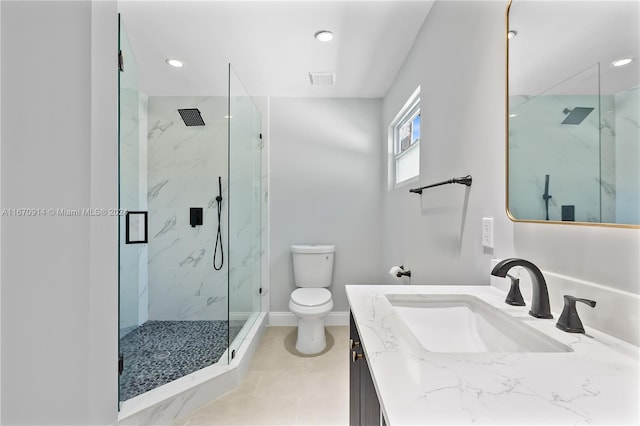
(321, 78)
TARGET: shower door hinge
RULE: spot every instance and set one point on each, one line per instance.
(233, 354)
(120, 61)
(260, 290)
(260, 136)
(120, 364)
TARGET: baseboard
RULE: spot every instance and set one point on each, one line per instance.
(284, 319)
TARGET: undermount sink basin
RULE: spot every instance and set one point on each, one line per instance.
(460, 323)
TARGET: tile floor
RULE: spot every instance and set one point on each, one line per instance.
(285, 389)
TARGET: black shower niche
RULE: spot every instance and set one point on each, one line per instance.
(136, 227)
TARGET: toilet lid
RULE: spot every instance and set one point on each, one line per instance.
(310, 296)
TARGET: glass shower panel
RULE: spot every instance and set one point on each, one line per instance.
(131, 197)
(129, 187)
(182, 302)
(622, 126)
(245, 189)
(555, 149)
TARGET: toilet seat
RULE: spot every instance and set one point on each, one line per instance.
(310, 297)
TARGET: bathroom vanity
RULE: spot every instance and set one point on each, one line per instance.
(459, 354)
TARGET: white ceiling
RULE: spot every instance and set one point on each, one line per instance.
(270, 45)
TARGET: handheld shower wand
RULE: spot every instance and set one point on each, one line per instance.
(219, 234)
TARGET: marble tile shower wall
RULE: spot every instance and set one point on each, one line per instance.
(573, 146)
(183, 168)
(627, 133)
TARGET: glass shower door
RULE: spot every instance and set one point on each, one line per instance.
(245, 214)
(132, 247)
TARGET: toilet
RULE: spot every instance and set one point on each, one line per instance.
(311, 302)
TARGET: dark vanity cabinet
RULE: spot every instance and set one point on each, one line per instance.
(364, 407)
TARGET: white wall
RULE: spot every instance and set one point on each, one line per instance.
(59, 274)
(459, 62)
(325, 186)
(103, 300)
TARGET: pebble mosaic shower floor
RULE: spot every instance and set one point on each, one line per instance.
(159, 352)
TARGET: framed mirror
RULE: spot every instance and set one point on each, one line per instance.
(573, 105)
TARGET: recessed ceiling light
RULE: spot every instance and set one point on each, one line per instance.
(324, 35)
(176, 63)
(511, 34)
(622, 62)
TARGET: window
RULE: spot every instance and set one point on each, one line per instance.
(405, 131)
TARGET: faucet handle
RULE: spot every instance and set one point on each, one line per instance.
(514, 297)
(569, 320)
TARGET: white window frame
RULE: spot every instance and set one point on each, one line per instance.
(407, 113)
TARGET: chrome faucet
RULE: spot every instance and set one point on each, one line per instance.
(540, 300)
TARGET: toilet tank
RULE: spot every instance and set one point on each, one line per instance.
(313, 265)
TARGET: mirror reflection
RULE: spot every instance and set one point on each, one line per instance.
(573, 125)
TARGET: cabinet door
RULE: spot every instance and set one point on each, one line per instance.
(369, 405)
(364, 407)
(354, 377)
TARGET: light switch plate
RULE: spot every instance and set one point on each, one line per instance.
(487, 232)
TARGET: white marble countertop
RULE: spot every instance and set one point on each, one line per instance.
(596, 383)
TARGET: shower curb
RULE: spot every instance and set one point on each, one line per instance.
(176, 399)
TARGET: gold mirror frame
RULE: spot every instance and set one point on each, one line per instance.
(511, 217)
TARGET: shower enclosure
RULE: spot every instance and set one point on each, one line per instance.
(556, 151)
(179, 314)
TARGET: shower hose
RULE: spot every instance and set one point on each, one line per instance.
(219, 234)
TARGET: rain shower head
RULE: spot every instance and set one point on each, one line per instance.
(576, 115)
(191, 117)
